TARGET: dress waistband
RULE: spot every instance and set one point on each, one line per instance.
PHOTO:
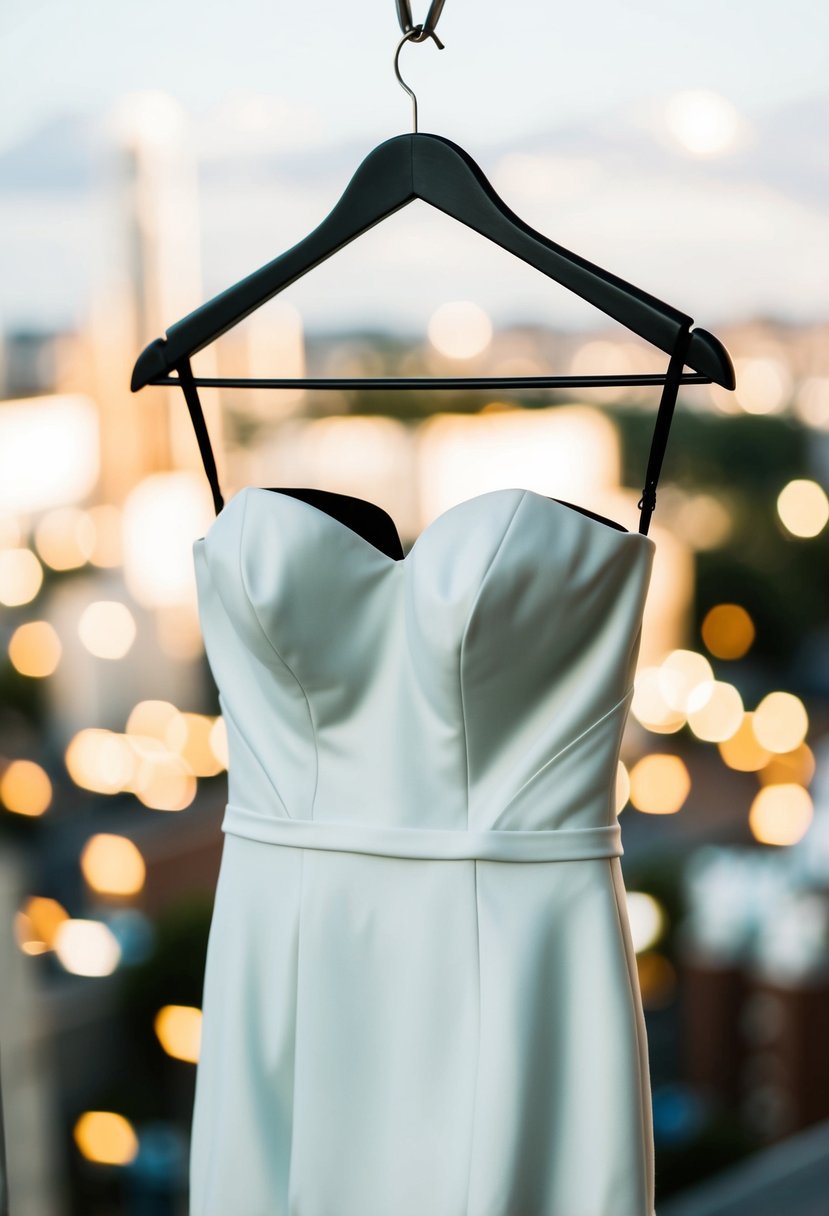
(434, 844)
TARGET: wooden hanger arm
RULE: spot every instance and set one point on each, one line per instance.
(381, 185)
(446, 177)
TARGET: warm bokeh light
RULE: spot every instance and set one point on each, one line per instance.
(87, 947)
(647, 919)
(36, 924)
(153, 718)
(684, 680)
(780, 722)
(622, 794)
(65, 538)
(649, 706)
(702, 122)
(657, 979)
(741, 751)
(659, 784)
(460, 329)
(163, 515)
(25, 788)
(21, 576)
(701, 521)
(112, 865)
(178, 1028)
(164, 781)
(764, 385)
(780, 814)
(720, 715)
(803, 507)
(106, 1138)
(100, 760)
(107, 629)
(106, 521)
(35, 649)
(49, 451)
(727, 631)
(218, 741)
(189, 735)
(797, 766)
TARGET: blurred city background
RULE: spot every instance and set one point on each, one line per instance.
(147, 162)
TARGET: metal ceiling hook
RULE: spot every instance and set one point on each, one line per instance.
(415, 34)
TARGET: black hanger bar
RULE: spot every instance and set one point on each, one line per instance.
(439, 172)
(452, 382)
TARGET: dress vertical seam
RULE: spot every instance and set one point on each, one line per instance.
(270, 644)
(302, 855)
(470, 614)
(640, 1030)
(473, 1120)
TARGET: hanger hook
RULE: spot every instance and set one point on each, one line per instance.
(416, 34)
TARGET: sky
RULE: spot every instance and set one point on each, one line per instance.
(563, 106)
(507, 68)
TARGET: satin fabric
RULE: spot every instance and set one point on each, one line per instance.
(421, 996)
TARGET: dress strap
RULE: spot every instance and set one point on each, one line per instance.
(191, 396)
(646, 503)
(673, 378)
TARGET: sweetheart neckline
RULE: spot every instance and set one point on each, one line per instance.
(623, 535)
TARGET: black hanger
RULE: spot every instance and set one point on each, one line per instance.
(432, 168)
(439, 172)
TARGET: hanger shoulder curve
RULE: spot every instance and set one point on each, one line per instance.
(449, 179)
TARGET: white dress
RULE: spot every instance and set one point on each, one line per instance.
(421, 995)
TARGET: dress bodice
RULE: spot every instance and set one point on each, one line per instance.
(502, 647)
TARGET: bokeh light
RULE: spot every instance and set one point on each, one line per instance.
(742, 750)
(105, 1137)
(87, 947)
(780, 722)
(796, 766)
(112, 865)
(36, 924)
(460, 329)
(35, 649)
(803, 507)
(178, 1028)
(684, 680)
(720, 714)
(107, 629)
(780, 814)
(659, 784)
(189, 734)
(21, 576)
(65, 538)
(647, 919)
(727, 631)
(100, 760)
(25, 788)
(648, 704)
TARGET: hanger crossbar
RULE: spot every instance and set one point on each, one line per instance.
(438, 382)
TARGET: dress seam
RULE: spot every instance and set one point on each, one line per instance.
(270, 644)
(242, 736)
(296, 1029)
(647, 1156)
(566, 748)
(478, 1056)
(462, 646)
